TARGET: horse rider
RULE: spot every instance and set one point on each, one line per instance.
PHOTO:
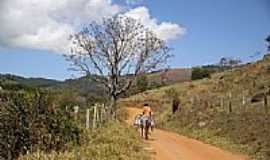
(147, 115)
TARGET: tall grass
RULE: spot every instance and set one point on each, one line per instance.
(114, 141)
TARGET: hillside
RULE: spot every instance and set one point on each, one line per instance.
(85, 85)
(34, 82)
(224, 110)
(170, 76)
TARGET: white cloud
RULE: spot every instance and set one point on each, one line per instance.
(47, 24)
(134, 2)
(164, 30)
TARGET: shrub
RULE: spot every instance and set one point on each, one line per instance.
(30, 121)
(171, 93)
(142, 83)
(199, 73)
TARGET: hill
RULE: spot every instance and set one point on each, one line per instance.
(34, 82)
(229, 109)
(84, 85)
(170, 76)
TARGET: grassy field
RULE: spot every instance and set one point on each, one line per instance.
(226, 110)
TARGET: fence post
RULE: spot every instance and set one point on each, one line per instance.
(99, 114)
(76, 110)
(244, 102)
(95, 117)
(265, 103)
(102, 113)
(230, 102)
(221, 102)
(192, 100)
(87, 118)
(77, 154)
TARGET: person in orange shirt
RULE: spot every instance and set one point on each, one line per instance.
(147, 111)
(147, 114)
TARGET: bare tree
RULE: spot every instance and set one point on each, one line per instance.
(115, 51)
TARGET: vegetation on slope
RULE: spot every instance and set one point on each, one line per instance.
(227, 110)
(114, 141)
(40, 124)
(34, 120)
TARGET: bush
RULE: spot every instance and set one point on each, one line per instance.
(199, 73)
(171, 93)
(142, 83)
(31, 121)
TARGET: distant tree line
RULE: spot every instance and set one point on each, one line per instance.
(205, 71)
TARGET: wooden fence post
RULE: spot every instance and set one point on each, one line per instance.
(87, 118)
(230, 102)
(76, 110)
(221, 102)
(192, 100)
(77, 154)
(265, 103)
(103, 113)
(99, 114)
(244, 102)
(95, 117)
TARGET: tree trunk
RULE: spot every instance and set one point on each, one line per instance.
(113, 107)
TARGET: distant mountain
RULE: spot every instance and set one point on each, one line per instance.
(33, 82)
(81, 84)
(85, 85)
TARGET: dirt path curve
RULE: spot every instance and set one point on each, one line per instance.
(171, 146)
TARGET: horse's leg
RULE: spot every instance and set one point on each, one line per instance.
(146, 133)
(142, 131)
(146, 130)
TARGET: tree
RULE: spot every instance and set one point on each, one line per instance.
(268, 42)
(115, 51)
(223, 61)
(229, 62)
(200, 73)
(142, 83)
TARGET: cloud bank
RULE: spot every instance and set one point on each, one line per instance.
(164, 30)
(47, 24)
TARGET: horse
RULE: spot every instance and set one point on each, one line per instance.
(144, 123)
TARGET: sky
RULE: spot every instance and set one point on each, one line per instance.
(34, 34)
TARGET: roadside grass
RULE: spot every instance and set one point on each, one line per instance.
(114, 141)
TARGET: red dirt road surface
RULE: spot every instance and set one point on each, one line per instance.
(171, 146)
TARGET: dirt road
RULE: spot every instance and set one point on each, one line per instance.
(171, 146)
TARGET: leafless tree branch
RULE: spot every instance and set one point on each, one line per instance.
(116, 51)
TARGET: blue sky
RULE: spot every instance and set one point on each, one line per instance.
(214, 29)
